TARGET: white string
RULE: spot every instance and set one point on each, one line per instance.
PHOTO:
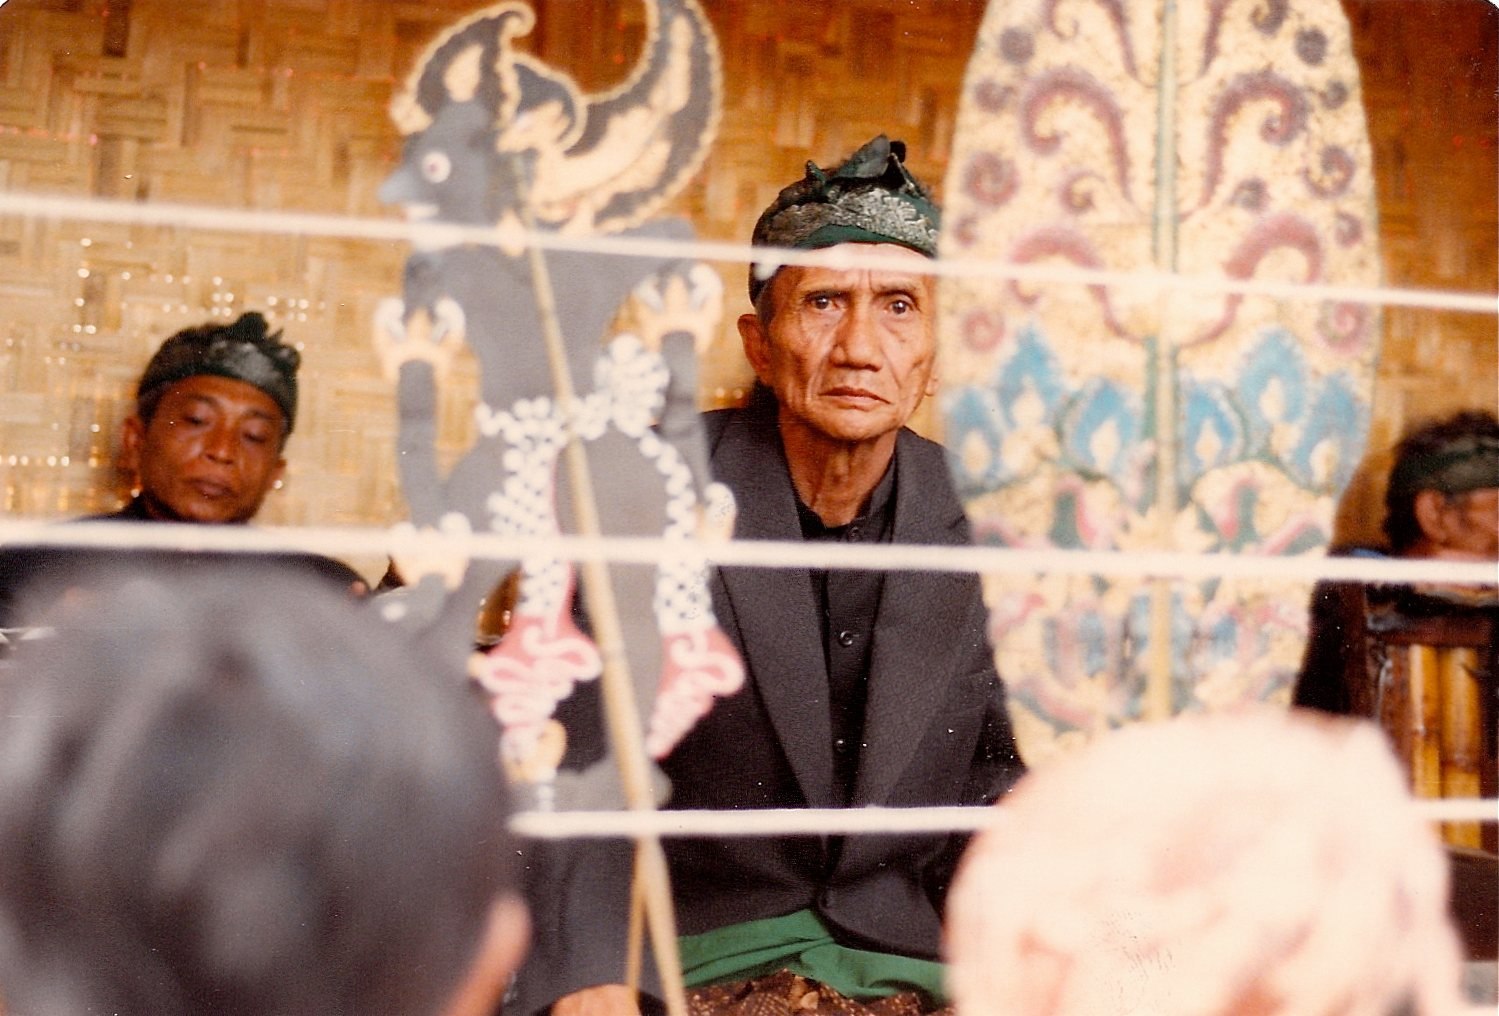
(434, 234)
(846, 821)
(750, 553)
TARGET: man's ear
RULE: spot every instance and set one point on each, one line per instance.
(756, 344)
(132, 437)
(1430, 509)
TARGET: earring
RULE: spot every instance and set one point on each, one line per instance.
(278, 484)
(135, 492)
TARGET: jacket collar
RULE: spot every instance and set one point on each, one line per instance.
(778, 622)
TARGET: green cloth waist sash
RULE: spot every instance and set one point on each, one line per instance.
(800, 942)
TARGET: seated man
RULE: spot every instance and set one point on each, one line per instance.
(1256, 864)
(1442, 502)
(238, 793)
(862, 688)
(214, 408)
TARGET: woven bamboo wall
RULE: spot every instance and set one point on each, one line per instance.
(1430, 70)
(280, 105)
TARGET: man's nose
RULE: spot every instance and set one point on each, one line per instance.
(857, 344)
(221, 444)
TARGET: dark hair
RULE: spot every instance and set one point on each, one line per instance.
(246, 350)
(1453, 455)
(240, 794)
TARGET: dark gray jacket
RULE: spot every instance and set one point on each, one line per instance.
(936, 733)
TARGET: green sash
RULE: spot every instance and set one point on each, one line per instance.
(800, 943)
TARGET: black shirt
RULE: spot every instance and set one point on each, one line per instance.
(848, 600)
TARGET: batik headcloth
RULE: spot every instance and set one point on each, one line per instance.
(871, 198)
(1463, 463)
(243, 351)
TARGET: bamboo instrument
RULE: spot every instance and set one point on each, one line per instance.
(1461, 738)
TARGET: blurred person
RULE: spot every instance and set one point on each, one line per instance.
(1442, 502)
(214, 408)
(1259, 864)
(240, 793)
(1443, 496)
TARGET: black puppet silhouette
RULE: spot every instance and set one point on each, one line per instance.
(497, 139)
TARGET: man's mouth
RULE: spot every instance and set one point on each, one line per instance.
(211, 489)
(853, 394)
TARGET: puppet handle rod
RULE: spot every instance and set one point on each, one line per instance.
(1158, 678)
(620, 712)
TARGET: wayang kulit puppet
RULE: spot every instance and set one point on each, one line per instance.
(1221, 141)
(497, 139)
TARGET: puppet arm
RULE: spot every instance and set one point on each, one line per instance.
(684, 308)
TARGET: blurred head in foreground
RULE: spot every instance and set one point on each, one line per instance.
(1255, 864)
(241, 795)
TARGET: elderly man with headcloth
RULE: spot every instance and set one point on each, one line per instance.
(214, 408)
(1442, 502)
(863, 688)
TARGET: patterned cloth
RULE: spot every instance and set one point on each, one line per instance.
(1049, 392)
(786, 994)
(871, 198)
(245, 351)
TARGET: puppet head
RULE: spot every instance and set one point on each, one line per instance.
(495, 137)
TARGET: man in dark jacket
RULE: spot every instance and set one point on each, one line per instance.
(863, 688)
(214, 408)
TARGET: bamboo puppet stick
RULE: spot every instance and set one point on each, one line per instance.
(621, 717)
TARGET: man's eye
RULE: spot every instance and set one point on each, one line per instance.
(819, 301)
(257, 438)
(901, 306)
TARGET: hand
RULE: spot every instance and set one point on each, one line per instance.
(542, 758)
(690, 302)
(603, 1000)
(414, 564)
(433, 336)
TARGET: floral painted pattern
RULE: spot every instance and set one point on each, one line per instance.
(1055, 392)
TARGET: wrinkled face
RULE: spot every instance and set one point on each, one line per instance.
(848, 353)
(210, 453)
